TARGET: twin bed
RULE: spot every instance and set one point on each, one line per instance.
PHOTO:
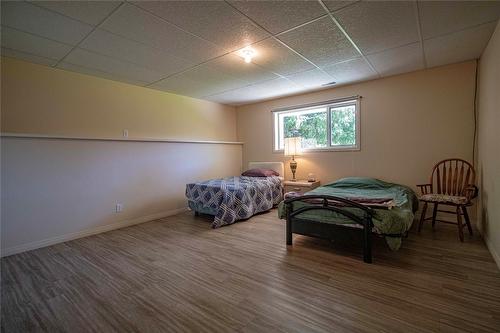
(365, 204)
(237, 198)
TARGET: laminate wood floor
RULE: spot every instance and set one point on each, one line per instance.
(179, 275)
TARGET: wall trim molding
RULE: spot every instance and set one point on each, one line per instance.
(129, 139)
(89, 232)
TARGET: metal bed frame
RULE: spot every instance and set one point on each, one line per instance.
(303, 226)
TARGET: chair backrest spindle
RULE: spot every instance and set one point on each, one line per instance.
(451, 176)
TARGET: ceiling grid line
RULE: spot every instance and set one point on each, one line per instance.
(36, 35)
(341, 28)
(170, 23)
(280, 41)
(293, 56)
(90, 33)
(419, 30)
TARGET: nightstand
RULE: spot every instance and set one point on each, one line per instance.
(300, 186)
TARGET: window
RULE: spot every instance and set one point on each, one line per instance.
(328, 126)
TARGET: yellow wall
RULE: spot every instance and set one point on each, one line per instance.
(43, 100)
(408, 123)
(488, 144)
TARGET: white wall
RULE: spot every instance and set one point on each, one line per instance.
(54, 190)
(488, 162)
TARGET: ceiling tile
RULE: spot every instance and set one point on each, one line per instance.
(101, 74)
(272, 55)
(399, 60)
(321, 42)
(27, 17)
(278, 16)
(257, 92)
(315, 78)
(235, 66)
(27, 57)
(91, 12)
(28, 43)
(442, 17)
(351, 71)
(335, 5)
(460, 46)
(378, 25)
(112, 66)
(112, 45)
(232, 32)
(197, 82)
(134, 23)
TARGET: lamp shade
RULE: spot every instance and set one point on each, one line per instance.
(293, 146)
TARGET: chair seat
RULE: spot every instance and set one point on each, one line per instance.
(443, 198)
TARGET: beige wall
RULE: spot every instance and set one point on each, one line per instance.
(488, 162)
(44, 100)
(408, 123)
(54, 190)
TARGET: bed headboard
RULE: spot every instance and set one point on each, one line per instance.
(276, 166)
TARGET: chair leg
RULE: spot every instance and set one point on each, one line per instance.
(422, 217)
(467, 220)
(434, 213)
(460, 226)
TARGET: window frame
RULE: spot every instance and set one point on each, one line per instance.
(329, 105)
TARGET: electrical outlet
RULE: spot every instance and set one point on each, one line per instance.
(125, 133)
(119, 207)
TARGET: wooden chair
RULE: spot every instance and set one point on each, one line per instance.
(451, 184)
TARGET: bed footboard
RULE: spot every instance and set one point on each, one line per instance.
(310, 227)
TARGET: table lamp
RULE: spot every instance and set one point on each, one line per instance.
(293, 148)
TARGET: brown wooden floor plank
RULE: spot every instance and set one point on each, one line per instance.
(177, 274)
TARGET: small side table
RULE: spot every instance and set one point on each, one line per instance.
(300, 186)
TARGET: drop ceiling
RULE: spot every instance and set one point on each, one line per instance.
(190, 47)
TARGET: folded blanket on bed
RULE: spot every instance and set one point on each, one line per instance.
(369, 202)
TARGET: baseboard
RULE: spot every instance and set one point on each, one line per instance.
(492, 250)
(88, 232)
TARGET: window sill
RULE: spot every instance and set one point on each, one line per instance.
(319, 150)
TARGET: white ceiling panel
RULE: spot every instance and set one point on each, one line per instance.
(112, 45)
(335, 5)
(321, 42)
(190, 47)
(378, 25)
(232, 32)
(134, 23)
(257, 92)
(234, 66)
(197, 82)
(31, 44)
(272, 55)
(101, 74)
(33, 19)
(351, 71)
(315, 78)
(27, 57)
(460, 46)
(442, 17)
(90, 12)
(113, 66)
(399, 60)
(278, 16)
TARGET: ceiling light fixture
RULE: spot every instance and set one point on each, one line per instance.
(247, 53)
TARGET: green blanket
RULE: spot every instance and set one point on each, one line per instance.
(393, 222)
